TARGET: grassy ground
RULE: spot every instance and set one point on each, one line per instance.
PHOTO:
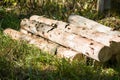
(20, 61)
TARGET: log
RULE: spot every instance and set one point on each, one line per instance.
(80, 44)
(90, 24)
(112, 41)
(41, 19)
(112, 36)
(43, 44)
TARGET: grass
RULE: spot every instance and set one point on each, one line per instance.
(20, 61)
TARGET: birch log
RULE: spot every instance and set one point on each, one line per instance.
(80, 44)
(112, 41)
(76, 20)
(90, 24)
(44, 44)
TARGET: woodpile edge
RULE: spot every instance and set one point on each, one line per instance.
(79, 36)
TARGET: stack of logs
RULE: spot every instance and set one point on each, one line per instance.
(79, 36)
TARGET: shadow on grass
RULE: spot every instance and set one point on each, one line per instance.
(9, 20)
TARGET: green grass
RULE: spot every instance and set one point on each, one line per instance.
(20, 61)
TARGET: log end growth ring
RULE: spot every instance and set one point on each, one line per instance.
(105, 54)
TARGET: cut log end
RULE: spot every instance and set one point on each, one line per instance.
(79, 57)
(69, 54)
(105, 54)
